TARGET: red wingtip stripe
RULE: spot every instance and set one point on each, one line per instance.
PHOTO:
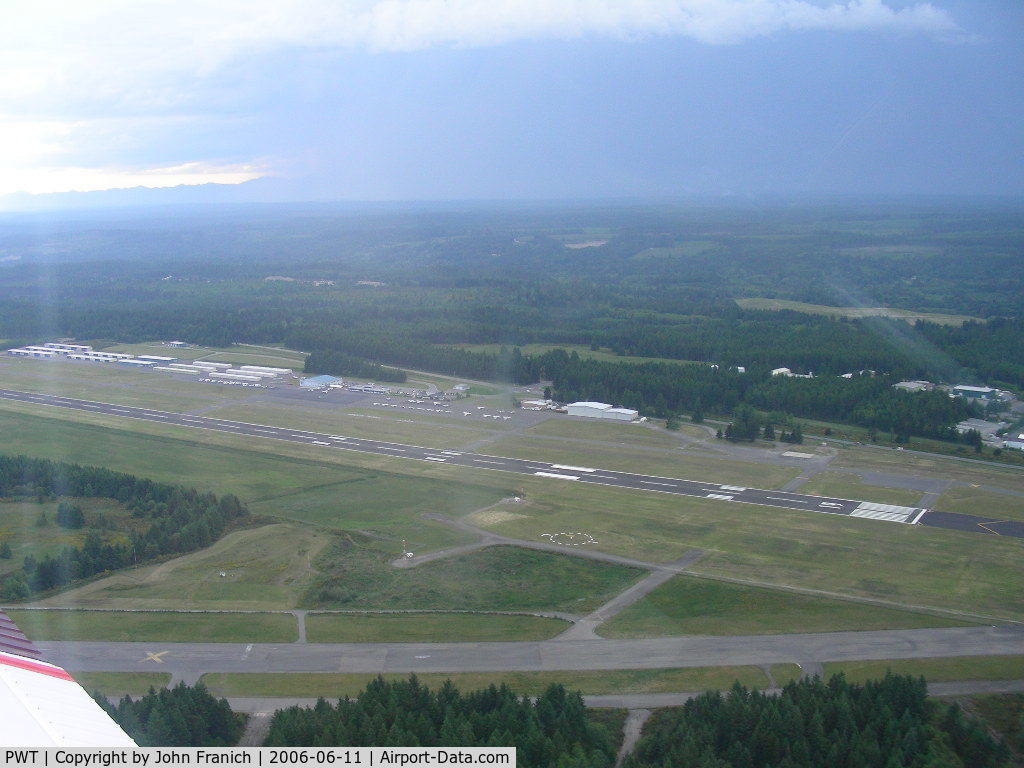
(29, 665)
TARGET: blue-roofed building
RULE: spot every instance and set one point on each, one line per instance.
(319, 382)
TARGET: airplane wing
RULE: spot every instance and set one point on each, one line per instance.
(41, 705)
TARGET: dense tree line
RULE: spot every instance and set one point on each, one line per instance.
(552, 730)
(888, 723)
(178, 520)
(182, 716)
(341, 364)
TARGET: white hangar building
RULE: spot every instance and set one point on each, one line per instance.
(600, 411)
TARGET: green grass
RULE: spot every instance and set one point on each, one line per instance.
(265, 568)
(429, 628)
(900, 563)
(940, 467)
(689, 606)
(986, 504)
(120, 684)
(846, 486)
(494, 579)
(785, 673)
(606, 432)
(591, 682)
(682, 464)
(366, 424)
(121, 626)
(820, 309)
(933, 670)
(313, 489)
(911, 564)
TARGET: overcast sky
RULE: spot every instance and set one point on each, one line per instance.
(496, 99)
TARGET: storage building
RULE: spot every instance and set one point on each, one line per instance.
(157, 359)
(318, 382)
(32, 352)
(233, 376)
(264, 369)
(594, 410)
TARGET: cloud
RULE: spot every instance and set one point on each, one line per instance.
(66, 65)
(144, 47)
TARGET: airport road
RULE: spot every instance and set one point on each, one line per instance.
(187, 661)
(559, 472)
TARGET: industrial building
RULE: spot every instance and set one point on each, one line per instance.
(232, 376)
(534, 405)
(319, 382)
(914, 386)
(975, 393)
(264, 369)
(32, 352)
(68, 347)
(601, 411)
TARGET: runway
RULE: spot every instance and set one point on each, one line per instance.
(560, 472)
(187, 661)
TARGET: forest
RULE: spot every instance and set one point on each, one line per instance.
(182, 716)
(177, 520)
(368, 293)
(552, 730)
(888, 723)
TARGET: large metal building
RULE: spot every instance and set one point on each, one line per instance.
(594, 410)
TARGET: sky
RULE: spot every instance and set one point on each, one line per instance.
(513, 99)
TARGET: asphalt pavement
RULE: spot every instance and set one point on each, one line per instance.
(561, 472)
(187, 661)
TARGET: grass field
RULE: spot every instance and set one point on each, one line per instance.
(821, 309)
(912, 564)
(305, 489)
(410, 430)
(266, 568)
(629, 434)
(845, 486)
(974, 501)
(940, 467)
(594, 682)
(110, 384)
(909, 564)
(689, 606)
(428, 628)
(121, 626)
(495, 579)
(683, 464)
(21, 528)
(120, 684)
(785, 673)
(934, 670)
